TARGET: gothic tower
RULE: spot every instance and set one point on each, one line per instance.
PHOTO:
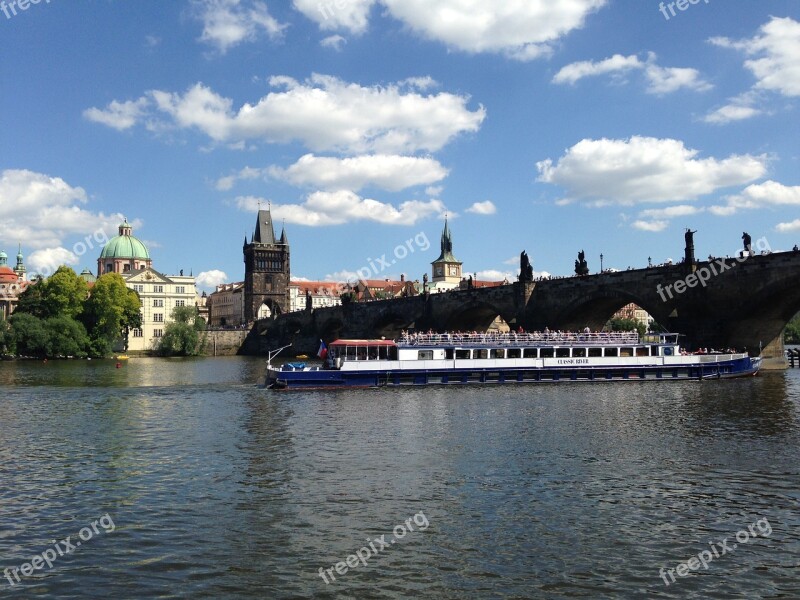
(266, 271)
(447, 268)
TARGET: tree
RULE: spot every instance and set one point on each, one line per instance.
(30, 336)
(617, 324)
(61, 294)
(65, 337)
(110, 312)
(182, 336)
(6, 337)
(792, 331)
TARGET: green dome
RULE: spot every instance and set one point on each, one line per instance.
(125, 246)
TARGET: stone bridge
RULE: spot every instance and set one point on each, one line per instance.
(744, 303)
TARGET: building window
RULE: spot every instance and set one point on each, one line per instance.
(180, 290)
(138, 288)
(158, 289)
(137, 333)
(158, 317)
(158, 302)
(180, 303)
(158, 333)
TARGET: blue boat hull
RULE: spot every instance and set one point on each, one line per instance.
(301, 379)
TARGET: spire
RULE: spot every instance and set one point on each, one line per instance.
(447, 239)
(264, 232)
(20, 269)
(284, 240)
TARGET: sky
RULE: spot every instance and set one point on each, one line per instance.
(550, 126)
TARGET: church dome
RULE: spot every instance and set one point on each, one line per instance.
(7, 275)
(125, 245)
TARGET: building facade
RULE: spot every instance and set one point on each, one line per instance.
(226, 305)
(12, 283)
(320, 293)
(158, 294)
(266, 271)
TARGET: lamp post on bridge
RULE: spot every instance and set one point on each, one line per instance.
(601, 262)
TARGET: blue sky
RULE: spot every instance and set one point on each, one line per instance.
(550, 126)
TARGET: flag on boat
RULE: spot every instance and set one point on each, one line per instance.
(323, 350)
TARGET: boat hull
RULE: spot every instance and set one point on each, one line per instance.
(365, 378)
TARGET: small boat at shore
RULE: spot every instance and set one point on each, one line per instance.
(469, 358)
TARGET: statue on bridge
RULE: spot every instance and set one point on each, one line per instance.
(581, 266)
(309, 301)
(748, 243)
(689, 251)
(525, 268)
(424, 283)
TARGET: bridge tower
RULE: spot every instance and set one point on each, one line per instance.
(266, 271)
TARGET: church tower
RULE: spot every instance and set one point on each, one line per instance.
(266, 271)
(20, 270)
(446, 268)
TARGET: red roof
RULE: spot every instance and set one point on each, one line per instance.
(7, 275)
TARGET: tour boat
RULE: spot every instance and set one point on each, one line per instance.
(464, 358)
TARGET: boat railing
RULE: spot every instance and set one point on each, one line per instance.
(554, 338)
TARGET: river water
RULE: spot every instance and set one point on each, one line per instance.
(184, 478)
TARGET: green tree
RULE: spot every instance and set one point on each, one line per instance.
(182, 337)
(792, 331)
(65, 337)
(617, 324)
(6, 337)
(61, 295)
(30, 335)
(110, 312)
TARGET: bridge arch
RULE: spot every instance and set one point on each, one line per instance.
(474, 316)
(390, 324)
(595, 309)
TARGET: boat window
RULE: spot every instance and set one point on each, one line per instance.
(611, 352)
(562, 352)
(498, 353)
(448, 353)
(579, 352)
(595, 352)
(626, 351)
(373, 353)
(462, 354)
(351, 353)
(392, 353)
(546, 353)
(643, 351)
(361, 353)
(531, 353)
(383, 352)
(425, 355)
(514, 353)
(653, 350)
(482, 353)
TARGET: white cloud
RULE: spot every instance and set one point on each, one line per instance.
(574, 72)
(325, 114)
(671, 212)
(350, 15)
(208, 280)
(342, 276)
(434, 190)
(665, 80)
(759, 196)
(47, 260)
(661, 80)
(226, 183)
(337, 208)
(333, 41)
(776, 49)
(522, 30)
(483, 208)
(654, 226)
(738, 108)
(389, 172)
(789, 227)
(495, 275)
(644, 169)
(228, 23)
(119, 115)
(43, 211)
